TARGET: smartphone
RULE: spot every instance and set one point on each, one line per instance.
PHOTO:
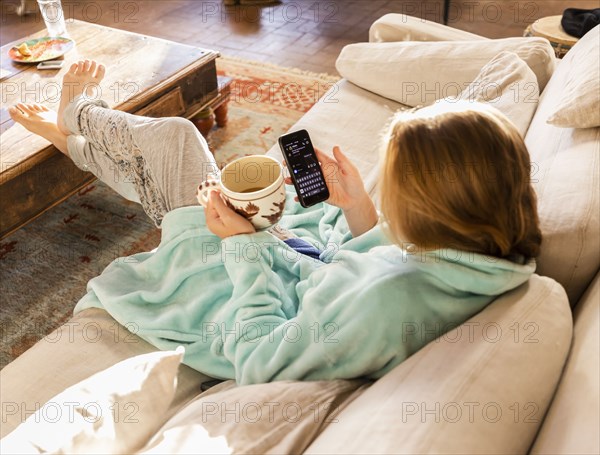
(51, 65)
(304, 167)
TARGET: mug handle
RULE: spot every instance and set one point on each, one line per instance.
(211, 183)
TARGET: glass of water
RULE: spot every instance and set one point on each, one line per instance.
(53, 16)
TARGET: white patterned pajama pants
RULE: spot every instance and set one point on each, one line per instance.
(157, 162)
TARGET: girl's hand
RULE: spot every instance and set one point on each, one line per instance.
(347, 191)
(346, 188)
(222, 221)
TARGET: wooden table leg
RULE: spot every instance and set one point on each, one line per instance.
(221, 114)
(204, 121)
(216, 110)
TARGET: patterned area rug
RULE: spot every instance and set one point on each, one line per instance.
(46, 265)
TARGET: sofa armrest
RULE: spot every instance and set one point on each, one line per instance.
(400, 27)
(88, 343)
(467, 392)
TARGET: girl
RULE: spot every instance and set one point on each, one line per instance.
(460, 229)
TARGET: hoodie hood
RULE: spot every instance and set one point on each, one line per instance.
(473, 272)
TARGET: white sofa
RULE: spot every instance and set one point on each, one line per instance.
(522, 376)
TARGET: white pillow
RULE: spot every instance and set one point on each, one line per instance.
(419, 73)
(114, 411)
(277, 417)
(578, 102)
(508, 84)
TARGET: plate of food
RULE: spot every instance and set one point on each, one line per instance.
(40, 49)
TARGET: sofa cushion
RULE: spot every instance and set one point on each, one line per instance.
(278, 417)
(568, 189)
(565, 163)
(89, 342)
(510, 86)
(572, 423)
(416, 73)
(483, 387)
(114, 411)
(578, 103)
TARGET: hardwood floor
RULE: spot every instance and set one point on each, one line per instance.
(307, 34)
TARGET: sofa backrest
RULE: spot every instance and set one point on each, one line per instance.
(565, 175)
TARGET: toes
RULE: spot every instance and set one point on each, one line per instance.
(31, 108)
(25, 108)
(15, 112)
(88, 67)
(100, 72)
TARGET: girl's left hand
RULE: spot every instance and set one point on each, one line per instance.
(223, 221)
(346, 188)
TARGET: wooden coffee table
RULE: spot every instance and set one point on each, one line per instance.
(145, 75)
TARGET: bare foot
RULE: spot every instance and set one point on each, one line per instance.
(83, 76)
(39, 120)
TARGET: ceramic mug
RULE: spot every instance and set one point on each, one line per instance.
(253, 186)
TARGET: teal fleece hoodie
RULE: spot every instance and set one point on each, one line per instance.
(251, 308)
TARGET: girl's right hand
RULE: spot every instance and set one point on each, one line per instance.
(346, 188)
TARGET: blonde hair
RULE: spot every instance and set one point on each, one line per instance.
(458, 176)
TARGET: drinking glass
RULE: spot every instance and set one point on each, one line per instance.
(53, 16)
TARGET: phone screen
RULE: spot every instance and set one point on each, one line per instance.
(304, 168)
